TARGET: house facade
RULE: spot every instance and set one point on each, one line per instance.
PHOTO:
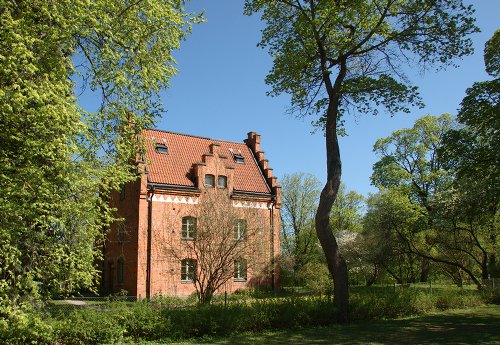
(147, 253)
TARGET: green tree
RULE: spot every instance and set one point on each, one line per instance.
(473, 150)
(346, 213)
(391, 221)
(299, 200)
(410, 161)
(58, 161)
(454, 233)
(337, 56)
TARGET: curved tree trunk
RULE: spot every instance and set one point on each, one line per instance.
(336, 263)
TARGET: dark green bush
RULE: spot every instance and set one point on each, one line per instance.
(491, 295)
(386, 303)
(91, 326)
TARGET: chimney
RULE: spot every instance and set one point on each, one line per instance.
(253, 141)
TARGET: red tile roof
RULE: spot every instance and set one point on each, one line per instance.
(184, 150)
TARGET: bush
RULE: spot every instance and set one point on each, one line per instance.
(19, 327)
(143, 320)
(91, 326)
(316, 277)
(491, 295)
(379, 303)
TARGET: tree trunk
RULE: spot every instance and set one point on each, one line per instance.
(424, 272)
(336, 263)
(373, 277)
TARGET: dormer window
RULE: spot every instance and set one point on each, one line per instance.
(237, 156)
(161, 148)
(209, 181)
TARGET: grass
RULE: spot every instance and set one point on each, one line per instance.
(478, 325)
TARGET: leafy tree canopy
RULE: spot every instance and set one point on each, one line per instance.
(59, 162)
(372, 40)
(409, 158)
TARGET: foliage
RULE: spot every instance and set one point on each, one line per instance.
(23, 327)
(384, 302)
(409, 159)
(299, 200)
(88, 326)
(390, 222)
(59, 162)
(315, 277)
(346, 212)
(473, 152)
(454, 218)
(309, 40)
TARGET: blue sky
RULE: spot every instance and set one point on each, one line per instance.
(220, 93)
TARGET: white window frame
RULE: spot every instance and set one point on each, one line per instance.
(240, 230)
(188, 270)
(188, 231)
(240, 270)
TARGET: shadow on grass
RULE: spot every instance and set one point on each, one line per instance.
(474, 326)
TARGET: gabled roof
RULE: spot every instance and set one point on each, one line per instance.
(176, 167)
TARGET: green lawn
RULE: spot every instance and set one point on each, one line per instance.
(472, 326)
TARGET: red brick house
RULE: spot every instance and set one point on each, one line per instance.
(178, 172)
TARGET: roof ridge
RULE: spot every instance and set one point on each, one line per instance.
(196, 136)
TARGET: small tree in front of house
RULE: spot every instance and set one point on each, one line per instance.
(220, 242)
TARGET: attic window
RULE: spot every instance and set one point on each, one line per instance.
(161, 148)
(238, 157)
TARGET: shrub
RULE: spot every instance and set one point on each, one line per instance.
(379, 303)
(315, 276)
(491, 295)
(19, 327)
(91, 326)
(143, 320)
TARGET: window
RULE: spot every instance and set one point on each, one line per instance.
(209, 181)
(161, 148)
(240, 230)
(238, 158)
(188, 228)
(240, 270)
(120, 271)
(122, 232)
(188, 269)
(222, 181)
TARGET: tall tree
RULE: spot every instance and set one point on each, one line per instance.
(473, 150)
(390, 217)
(300, 197)
(409, 160)
(59, 162)
(339, 56)
(454, 231)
